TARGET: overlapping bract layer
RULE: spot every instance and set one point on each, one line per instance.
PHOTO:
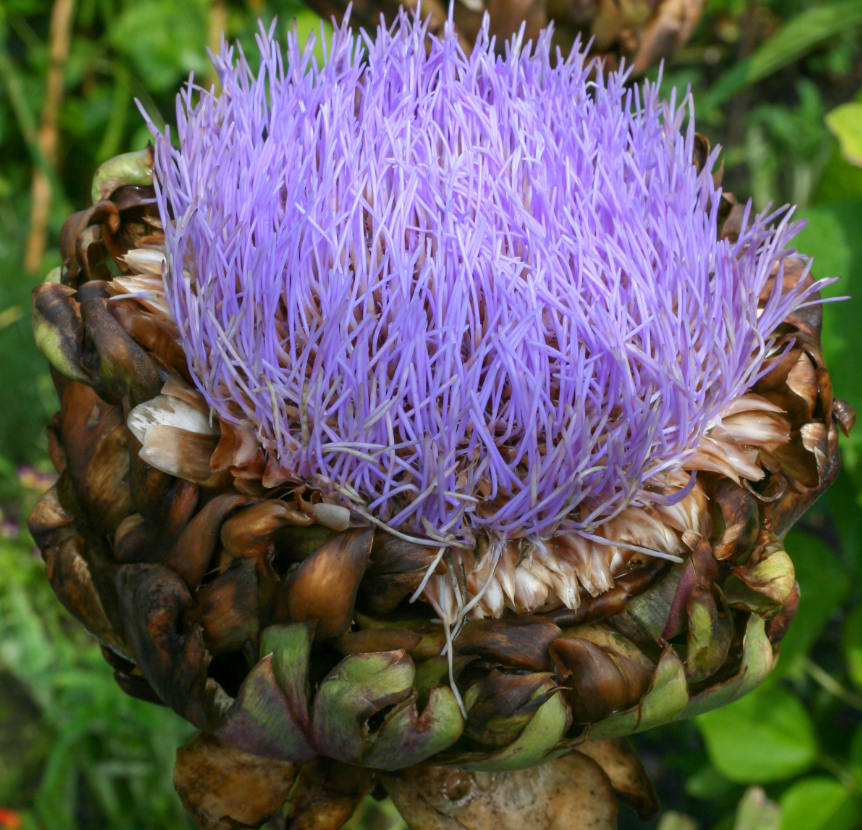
(467, 292)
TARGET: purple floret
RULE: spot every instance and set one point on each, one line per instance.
(461, 292)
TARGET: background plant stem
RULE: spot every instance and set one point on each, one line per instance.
(60, 38)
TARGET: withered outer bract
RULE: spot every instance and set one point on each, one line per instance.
(282, 630)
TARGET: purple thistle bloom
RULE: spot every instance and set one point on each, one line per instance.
(462, 292)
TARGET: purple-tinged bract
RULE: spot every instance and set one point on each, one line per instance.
(465, 293)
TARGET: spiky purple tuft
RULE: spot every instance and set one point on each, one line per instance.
(467, 292)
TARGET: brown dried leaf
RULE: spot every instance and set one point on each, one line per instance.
(193, 551)
(224, 788)
(94, 437)
(179, 452)
(119, 366)
(599, 680)
(701, 151)
(671, 25)
(153, 333)
(171, 656)
(327, 794)
(72, 580)
(239, 451)
(844, 414)
(571, 792)
(324, 586)
(395, 571)
(780, 516)
(250, 532)
(626, 773)
(741, 519)
(519, 642)
(228, 608)
(378, 639)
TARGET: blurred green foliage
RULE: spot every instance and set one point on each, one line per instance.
(777, 83)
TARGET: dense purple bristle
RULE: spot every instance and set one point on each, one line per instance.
(473, 292)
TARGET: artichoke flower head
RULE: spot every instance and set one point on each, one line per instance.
(457, 417)
(481, 302)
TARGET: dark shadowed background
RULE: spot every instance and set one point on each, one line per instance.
(778, 83)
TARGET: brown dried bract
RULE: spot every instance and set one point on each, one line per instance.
(571, 792)
(224, 788)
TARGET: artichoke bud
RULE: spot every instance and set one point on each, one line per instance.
(500, 705)
(762, 586)
(396, 569)
(324, 586)
(193, 551)
(779, 624)
(121, 367)
(252, 531)
(227, 608)
(58, 330)
(133, 540)
(599, 680)
(378, 639)
(710, 632)
(434, 672)
(134, 168)
(433, 639)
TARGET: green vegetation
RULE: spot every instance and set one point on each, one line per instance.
(777, 84)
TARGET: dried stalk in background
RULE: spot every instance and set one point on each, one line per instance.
(60, 37)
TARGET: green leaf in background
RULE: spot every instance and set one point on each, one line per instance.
(307, 24)
(29, 397)
(855, 756)
(824, 585)
(844, 511)
(706, 783)
(165, 40)
(839, 180)
(852, 640)
(766, 736)
(845, 122)
(818, 804)
(800, 35)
